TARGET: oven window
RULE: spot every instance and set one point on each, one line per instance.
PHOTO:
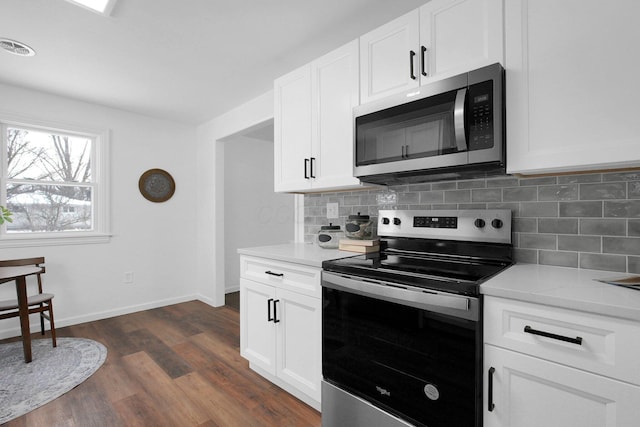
(419, 365)
(422, 128)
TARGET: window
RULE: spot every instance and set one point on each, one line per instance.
(55, 184)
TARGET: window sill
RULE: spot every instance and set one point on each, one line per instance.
(12, 241)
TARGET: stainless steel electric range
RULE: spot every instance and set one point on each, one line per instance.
(402, 328)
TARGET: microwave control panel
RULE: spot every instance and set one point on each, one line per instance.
(480, 100)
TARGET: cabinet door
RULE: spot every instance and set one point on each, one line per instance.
(292, 130)
(389, 58)
(571, 73)
(531, 392)
(257, 333)
(459, 36)
(335, 93)
(299, 342)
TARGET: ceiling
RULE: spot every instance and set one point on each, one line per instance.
(183, 60)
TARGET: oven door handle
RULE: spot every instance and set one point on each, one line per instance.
(458, 120)
(414, 296)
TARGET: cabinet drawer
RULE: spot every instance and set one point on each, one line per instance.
(295, 277)
(607, 346)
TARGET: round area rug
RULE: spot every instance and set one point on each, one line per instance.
(52, 372)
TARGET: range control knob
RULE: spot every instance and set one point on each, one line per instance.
(396, 221)
(479, 222)
(497, 223)
(385, 221)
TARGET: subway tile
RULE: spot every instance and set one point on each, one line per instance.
(560, 259)
(351, 200)
(537, 241)
(558, 226)
(634, 227)
(544, 180)
(621, 245)
(634, 265)
(621, 176)
(514, 207)
(457, 196)
(448, 185)
(472, 206)
(624, 209)
(420, 187)
(432, 197)
(409, 198)
(581, 209)
(539, 209)
(502, 182)
(571, 179)
(634, 189)
(612, 190)
(476, 183)
(445, 206)
(525, 225)
(526, 256)
(558, 192)
(580, 243)
(520, 194)
(603, 227)
(603, 262)
(486, 195)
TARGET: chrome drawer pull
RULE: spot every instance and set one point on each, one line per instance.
(577, 340)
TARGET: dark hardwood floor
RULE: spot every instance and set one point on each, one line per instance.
(178, 365)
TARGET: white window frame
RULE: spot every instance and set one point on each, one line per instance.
(100, 183)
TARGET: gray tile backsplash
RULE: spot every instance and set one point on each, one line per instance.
(581, 221)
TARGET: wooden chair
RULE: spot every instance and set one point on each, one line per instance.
(38, 302)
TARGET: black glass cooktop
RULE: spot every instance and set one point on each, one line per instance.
(459, 271)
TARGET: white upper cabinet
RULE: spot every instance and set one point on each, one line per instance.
(292, 130)
(438, 40)
(313, 119)
(388, 58)
(571, 73)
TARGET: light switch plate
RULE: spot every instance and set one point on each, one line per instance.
(332, 210)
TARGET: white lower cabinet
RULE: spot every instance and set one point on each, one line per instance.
(531, 392)
(553, 367)
(280, 328)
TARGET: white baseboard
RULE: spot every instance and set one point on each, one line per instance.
(70, 321)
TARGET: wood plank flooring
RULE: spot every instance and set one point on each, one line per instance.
(178, 365)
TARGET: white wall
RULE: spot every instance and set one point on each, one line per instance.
(155, 241)
(254, 214)
(210, 168)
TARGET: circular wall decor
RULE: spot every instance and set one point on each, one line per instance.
(157, 185)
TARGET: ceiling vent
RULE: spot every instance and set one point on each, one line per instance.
(16, 48)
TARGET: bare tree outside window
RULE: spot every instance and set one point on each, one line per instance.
(49, 181)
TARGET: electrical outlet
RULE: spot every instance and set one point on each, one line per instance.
(128, 277)
(332, 210)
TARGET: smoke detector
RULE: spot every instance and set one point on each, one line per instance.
(16, 48)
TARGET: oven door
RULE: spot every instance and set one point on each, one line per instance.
(411, 352)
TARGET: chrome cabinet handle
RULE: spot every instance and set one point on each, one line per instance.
(529, 330)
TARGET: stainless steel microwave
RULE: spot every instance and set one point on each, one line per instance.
(453, 128)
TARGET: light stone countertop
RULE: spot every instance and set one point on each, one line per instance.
(570, 288)
(300, 253)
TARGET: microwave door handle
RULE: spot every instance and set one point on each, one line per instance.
(458, 120)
